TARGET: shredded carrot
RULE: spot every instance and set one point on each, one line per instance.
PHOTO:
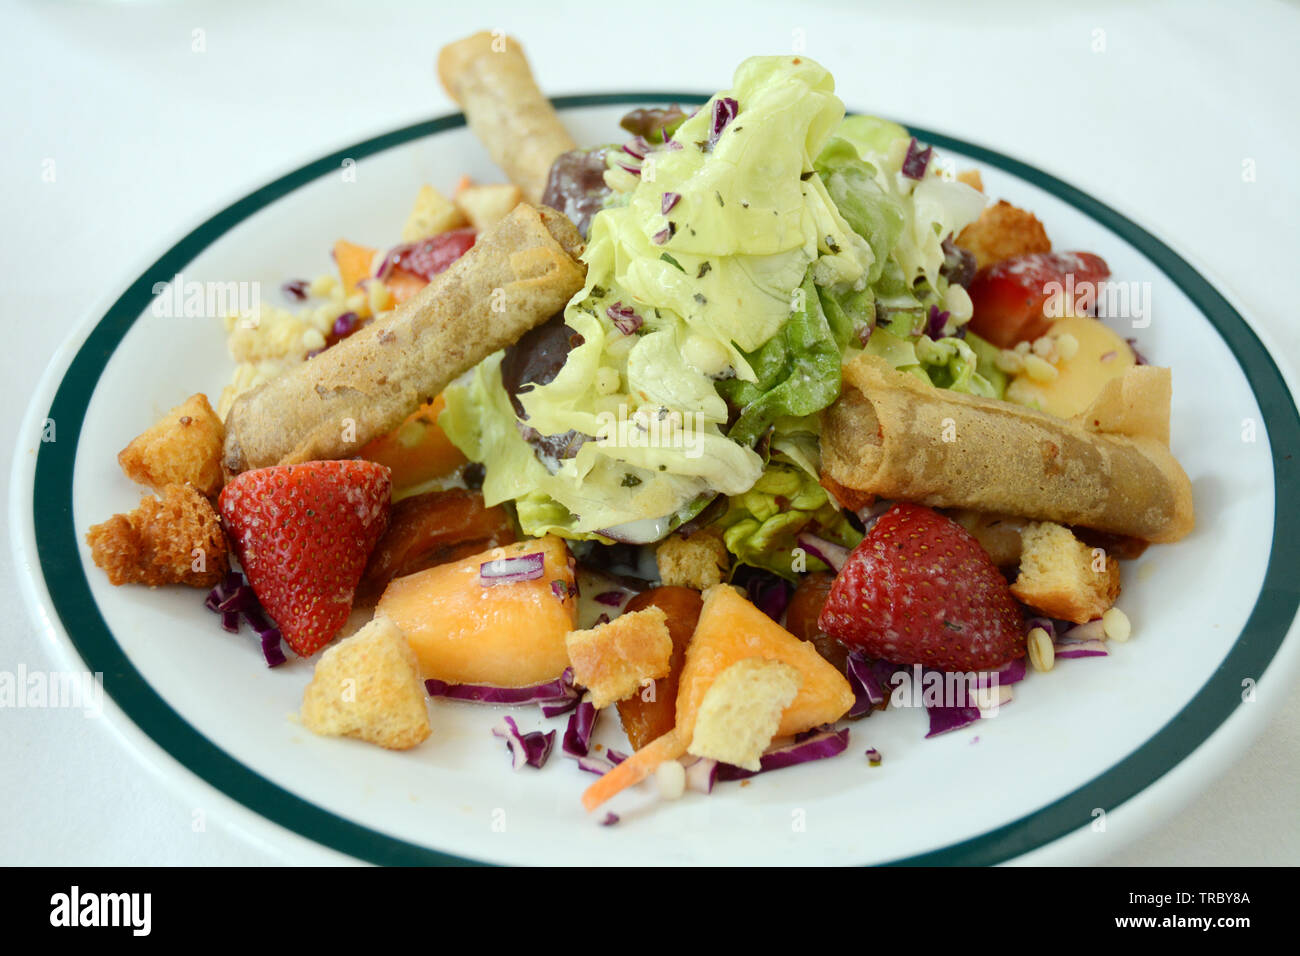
(634, 769)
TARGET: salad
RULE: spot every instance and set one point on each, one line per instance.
(746, 424)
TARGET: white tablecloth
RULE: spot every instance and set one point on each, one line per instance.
(149, 114)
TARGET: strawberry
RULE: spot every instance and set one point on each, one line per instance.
(430, 256)
(920, 589)
(1009, 296)
(303, 534)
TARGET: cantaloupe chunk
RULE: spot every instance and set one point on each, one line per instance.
(505, 634)
(417, 450)
(732, 629)
(354, 263)
(403, 285)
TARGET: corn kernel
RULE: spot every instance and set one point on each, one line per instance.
(1040, 370)
(323, 285)
(380, 299)
(1116, 625)
(1022, 348)
(671, 779)
(1043, 347)
(1042, 654)
(1010, 362)
(1067, 345)
(312, 340)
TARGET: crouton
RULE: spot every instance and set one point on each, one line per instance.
(972, 178)
(742, 709)
(175, 540)
(367, 686)
(698, 560)
(612, 660)
(1062, 577)
(183, 446)
(485, 206)
(432, 214)
(1001, 232)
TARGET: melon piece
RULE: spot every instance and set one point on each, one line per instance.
(732, 629)
(354, 263)
(403, 284)
(505, 634)
(418, 450)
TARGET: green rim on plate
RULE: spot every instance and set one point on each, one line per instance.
(59, 547)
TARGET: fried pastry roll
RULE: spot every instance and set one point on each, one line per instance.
(489, 77)
(1109, 468)
(517, 275)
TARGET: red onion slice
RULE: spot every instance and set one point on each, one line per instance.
(512, 570)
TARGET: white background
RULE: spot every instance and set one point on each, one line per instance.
(1155, 108)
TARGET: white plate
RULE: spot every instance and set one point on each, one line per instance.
(1211, 614)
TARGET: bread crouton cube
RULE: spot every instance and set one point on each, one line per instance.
(432, 214)
(613, 660)
(699, 560)
(367, 686)
(485, 206)
(741, 711)
(173, 540)
(183, 446)
(1001, 232)
(1062, 577)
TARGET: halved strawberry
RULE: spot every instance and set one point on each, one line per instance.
(1008, 296)
(919, 589)
(430, 256)
(303, 534)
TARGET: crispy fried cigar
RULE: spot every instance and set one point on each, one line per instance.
(1108, 469)
(490, 79)
(517, 275)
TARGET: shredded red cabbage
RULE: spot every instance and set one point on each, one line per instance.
(1066, 649)
(577, 735)
(590, 763)
(769, 592)
(610, 820)
(917, 160)
(701, 775)
(935, 325)
(512, 570)
(669, 200)
(624, 317)
(615, 756)
(724, 111)
(295, 289)
(828, 552)
(561, 693)
(234, 597)
(945, 719)
(822, 744)
(531, 749)
(637, 147)
(865, 678)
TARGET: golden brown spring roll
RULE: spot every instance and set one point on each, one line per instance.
(490, 79)
(892, 435)
(517, 275)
